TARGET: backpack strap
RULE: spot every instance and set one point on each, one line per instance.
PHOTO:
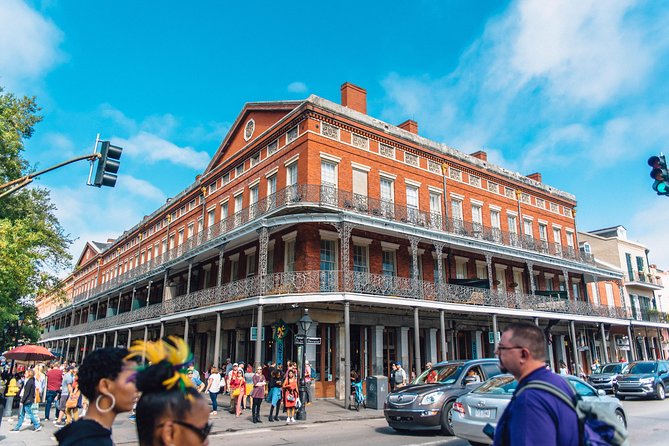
(550, 388)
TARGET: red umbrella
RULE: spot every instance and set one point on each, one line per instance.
(29, 353)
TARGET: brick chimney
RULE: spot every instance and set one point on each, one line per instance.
(410, 126)
(354, 97)
(480, 155)
(536, 176)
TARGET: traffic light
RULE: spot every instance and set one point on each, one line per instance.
(659, 174)
(108, 165)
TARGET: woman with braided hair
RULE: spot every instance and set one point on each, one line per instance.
(170, 411)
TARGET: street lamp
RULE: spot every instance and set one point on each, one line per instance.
(305, 323)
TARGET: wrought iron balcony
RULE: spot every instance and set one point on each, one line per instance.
(324, 282)
(337, 199)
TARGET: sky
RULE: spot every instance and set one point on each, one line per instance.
(576, 90)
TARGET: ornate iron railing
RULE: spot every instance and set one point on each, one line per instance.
(331, 197)
(323, 282)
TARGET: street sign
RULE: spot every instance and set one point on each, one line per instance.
(299, 339)
(491, 340)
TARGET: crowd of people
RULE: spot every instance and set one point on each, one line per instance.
(158, 385)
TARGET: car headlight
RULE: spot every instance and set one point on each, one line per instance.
(431, 398)
(647, 380)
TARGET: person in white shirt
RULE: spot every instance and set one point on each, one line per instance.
(214, 387)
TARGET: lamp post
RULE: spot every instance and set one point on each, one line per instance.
(305, 323)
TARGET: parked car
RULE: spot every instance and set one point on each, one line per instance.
(486, 403)
(605, 376)
(643, 378)
(426, 403)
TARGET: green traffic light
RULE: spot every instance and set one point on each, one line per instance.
(661, 187)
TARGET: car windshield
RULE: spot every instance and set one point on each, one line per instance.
(445, 374)
(610, 368)
(641, 367)
(500, 385)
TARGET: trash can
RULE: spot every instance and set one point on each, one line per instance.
(377, 391)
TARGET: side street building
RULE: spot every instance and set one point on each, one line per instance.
(401, 248)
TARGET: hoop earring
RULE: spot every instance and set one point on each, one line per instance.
(110, 408)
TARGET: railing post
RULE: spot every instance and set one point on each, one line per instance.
(258, 344)
(263, 240)
(344, 230)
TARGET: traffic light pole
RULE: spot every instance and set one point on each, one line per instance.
(19, 183)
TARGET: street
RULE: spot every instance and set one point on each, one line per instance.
(329, 424)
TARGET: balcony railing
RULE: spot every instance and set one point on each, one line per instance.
(323, 282)
(330, 197)
(643, 277)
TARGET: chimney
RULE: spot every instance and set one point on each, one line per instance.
(536, 176)
(354, 97)
(410, 126)
(480, 155)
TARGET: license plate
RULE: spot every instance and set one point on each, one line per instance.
(484, 413)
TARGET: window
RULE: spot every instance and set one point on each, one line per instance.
(557, 236)
(291, 174)
(412, 203)
(272, 147)
(234, 268)
(477, 217)
(253, 201)
(527, 228)
(255, 159)
(570, 239)
(181, 236)
(630, 271)
(639, 264)
(328, 174)
(575, 291)
(419, 264)
(481, 270)
(436, 270)
(359, 182)
(328, 277)
(461, 268)
(543, 232)
(435, 210)
(388, 265)
(386, 151)
(251, 265)
(171, 242)
(609, 294)
(456, 210)
(548, 283)
(224, 180)
(291, 135)
(211, 217)
(495, 221)
(289, 260)
(224, 211)
(200, 225)
(271, 192)
(238, 208)
(239, 170)
(359, 141)
(212, 189)
(387, 197)
(360, 259)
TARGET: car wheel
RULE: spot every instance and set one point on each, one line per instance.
(659, 392)
(621, 417)
(620, 397)
(447, 419)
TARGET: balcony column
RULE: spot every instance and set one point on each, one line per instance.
(66, 355)
(604, 346)
(221, 253)
(115, 338)
(217, 340)
(347, 350)
(83, 353)
(344, 230)
(413, 241)
(190, 270)
(118, 306)
(146, 334)
(95, 342)
(162, 330)
(565, 273)
(258, 344)
(129, 337)
(377, 350)
(167, 273)
(488, 263)
(416, 338)
(73, 317)
(134, 304)
(453, 340)
(76, 351)
(494, 332)
(263, 239)
(530, 273)
(632, 343)
(442, 335)
(148, 292)
(186, 322)
(574, 348)
(659, 343)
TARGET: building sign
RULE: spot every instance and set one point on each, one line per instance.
(623, 343)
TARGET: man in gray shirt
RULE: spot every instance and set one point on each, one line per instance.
(66, 388)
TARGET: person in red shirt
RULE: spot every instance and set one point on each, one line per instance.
(54, 381)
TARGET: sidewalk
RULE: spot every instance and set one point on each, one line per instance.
(321, 411)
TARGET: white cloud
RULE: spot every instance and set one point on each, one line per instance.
(28, 44)
(648, 228)
(153, 148)
(140, 188)
(297, 87)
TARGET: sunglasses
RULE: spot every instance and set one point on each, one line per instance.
(203, 433)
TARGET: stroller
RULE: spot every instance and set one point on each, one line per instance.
(357, 396)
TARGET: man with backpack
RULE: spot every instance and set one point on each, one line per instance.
(544, 408)
(533, 416)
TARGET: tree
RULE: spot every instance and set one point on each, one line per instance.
(33, 245)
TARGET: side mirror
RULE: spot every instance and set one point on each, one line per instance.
(601, 392)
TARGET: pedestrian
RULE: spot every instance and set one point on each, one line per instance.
(170, 411)
(248, 379)
(257, 393)
(197, 383)
(563, 369)
(533, 416)
(106, 380)
(27, 401)
(237, 392)
(214, 387)
(308, 383)
(66, 387)
(391, 379)
(54, 381)
(400, 376)
(73, 402)
(275, 394)
(290, 395)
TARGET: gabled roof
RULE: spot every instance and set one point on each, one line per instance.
(95, 248)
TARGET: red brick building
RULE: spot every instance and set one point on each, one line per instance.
(401, 248)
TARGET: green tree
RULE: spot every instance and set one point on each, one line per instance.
(33, 245)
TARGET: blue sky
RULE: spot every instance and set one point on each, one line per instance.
(576, 90)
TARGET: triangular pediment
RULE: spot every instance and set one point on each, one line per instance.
(254, 119)
(89, 252)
